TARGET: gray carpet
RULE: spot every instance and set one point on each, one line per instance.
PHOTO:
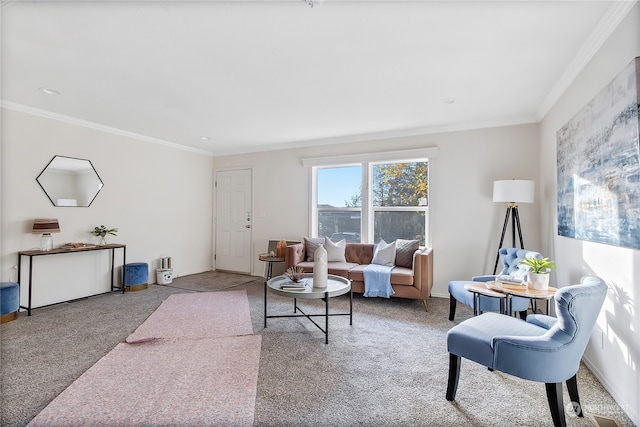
(210, 281)
(388, 369)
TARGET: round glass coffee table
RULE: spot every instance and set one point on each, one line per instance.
(336, 286)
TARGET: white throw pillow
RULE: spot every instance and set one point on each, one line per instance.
(385, 254)
(335, 251)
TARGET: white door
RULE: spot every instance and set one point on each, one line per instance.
(233, 221)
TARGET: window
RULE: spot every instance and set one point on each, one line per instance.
(339, 207)
(399, 201)
(393, 205)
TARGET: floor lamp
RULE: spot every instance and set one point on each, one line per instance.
(512, 191)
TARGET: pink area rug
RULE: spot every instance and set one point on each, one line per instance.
(197, 315)
(202, 382)
(193, 362)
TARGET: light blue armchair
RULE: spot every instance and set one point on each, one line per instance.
(510, 258)
(543, 349)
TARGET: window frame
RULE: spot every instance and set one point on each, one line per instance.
(373, 209)
(367, 161)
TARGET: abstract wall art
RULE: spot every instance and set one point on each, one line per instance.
(599, 166)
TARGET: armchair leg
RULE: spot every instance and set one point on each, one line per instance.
(572, 387)
(425, 304)
(554, 397)
(454, 375)
(452, 307)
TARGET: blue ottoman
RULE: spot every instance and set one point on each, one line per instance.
(9, 301)
(136, 276)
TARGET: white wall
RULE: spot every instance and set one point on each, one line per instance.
(465, 224)
(614, 351)
(159, 197)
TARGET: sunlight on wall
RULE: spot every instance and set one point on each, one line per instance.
(596, 212)
(616, 321)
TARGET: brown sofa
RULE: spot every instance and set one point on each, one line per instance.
(413, 283)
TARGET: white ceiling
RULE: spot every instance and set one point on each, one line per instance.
(262, 75)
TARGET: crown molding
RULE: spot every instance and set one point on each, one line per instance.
(392, 134)
(96, 126)
(601, 32)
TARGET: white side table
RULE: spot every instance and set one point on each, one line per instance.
(336, 285)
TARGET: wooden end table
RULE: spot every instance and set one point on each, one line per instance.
(507, 292)
(480, 288)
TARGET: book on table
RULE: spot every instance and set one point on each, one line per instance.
(509, 280)
(294, 286)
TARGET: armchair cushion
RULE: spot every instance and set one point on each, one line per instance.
(511, 258)
(542, 320)
(484, 278)
(474, 338)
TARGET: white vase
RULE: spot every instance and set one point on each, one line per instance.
(320, 268)
(539, 281)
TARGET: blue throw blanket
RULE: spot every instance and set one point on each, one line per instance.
(377, 281)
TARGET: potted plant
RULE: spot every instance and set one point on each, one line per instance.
(539, 269)
(102, 232)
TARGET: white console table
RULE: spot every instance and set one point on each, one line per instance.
(61, 251)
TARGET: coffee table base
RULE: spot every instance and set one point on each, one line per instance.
(297, 309)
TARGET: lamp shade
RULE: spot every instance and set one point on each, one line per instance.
(513, 191)
(45, 226)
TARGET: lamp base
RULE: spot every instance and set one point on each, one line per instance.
(46, 242)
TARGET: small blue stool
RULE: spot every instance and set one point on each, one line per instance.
(9, 301)
(136, 276)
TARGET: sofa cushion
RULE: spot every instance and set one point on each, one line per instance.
(335, 251)
(356, 273)
(311, 244)
(402, 276)
(359, 253)
(404, 252)
(385, 254)
(307, 266)
(340, 268)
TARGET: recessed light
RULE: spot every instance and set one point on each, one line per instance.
(205, 138)
(49, 91)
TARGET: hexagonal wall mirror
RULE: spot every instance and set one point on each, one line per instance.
(68, 181)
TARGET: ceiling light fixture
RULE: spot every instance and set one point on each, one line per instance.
(313, 3)
(205, 138)
(49, 91)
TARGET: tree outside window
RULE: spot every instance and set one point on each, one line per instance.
(397, 208)
(400, 201)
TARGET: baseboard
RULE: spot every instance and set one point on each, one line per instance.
(624, 405)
